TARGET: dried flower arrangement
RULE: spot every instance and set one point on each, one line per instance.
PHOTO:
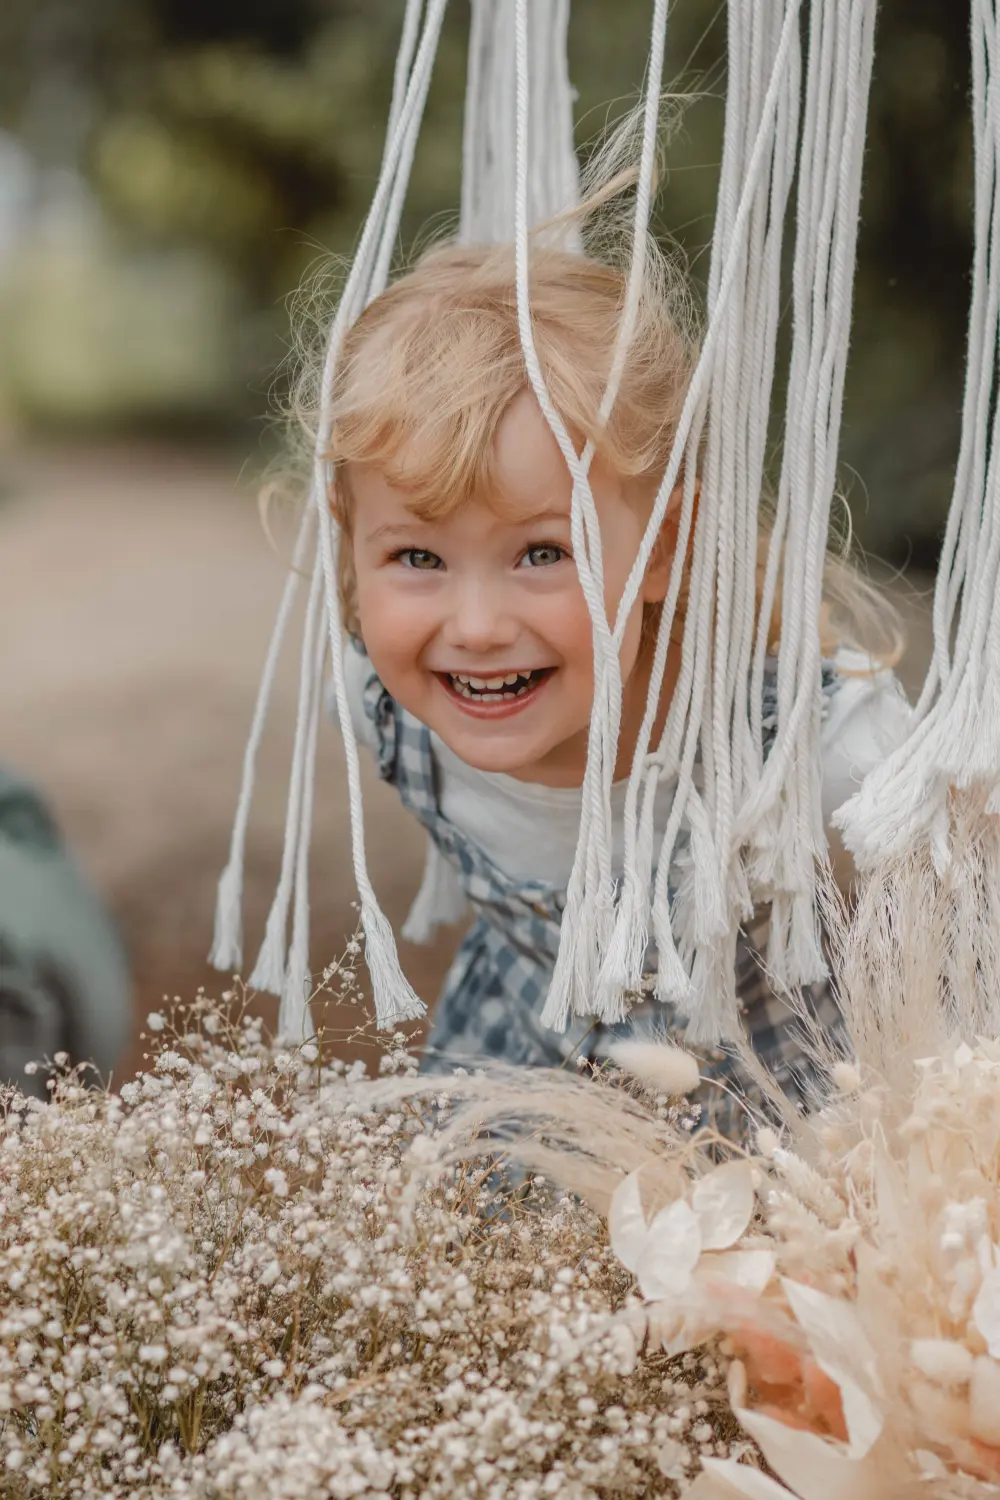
(225, 1281)
(849, 1259)
(256, 1273)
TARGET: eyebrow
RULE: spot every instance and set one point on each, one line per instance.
(542, 515)
(406, 528)
(394, 528)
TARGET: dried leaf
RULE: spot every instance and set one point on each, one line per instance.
(723, 1201)
(627, 1222)
(724, 1478)
(750, 1270)
(842, 1352)
(814, 1468)
(692, 1327)
(670, 1252)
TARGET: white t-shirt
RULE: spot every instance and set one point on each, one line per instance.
(530, 831)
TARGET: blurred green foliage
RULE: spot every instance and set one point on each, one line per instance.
(249, 134)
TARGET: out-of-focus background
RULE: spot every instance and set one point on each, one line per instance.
(170, 172)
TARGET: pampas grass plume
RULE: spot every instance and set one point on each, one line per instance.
(668, 1069)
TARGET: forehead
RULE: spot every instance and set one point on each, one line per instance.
(527, 463)
(525, 480)
(523, 476)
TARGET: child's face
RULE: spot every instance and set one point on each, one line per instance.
(477, 624)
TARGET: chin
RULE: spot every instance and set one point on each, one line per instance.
(482, 755)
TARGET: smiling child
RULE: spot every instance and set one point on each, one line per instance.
(471, 673)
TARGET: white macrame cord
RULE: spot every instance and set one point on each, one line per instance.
(740, 830)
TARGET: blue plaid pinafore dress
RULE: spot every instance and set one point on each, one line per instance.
(495, 989)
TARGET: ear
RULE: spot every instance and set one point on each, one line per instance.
(661, 560)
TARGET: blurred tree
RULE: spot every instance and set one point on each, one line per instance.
(254, 131)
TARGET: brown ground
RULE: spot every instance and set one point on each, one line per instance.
(137, 593)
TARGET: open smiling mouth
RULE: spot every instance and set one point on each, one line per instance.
(508, 687)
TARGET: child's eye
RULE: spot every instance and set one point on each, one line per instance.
(418, 557)
(543, 555)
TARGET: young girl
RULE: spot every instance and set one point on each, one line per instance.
(471, 670)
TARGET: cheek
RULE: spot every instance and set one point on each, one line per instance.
(393, 621)
(561, 618)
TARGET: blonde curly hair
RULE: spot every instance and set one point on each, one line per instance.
(428, 370)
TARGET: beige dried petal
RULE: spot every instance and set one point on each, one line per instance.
(669, 1253)
(723, 1201)
(892, 1193)
(842, 1352)
(942, 1417)
(930, 1466)
(680, 1324)
(627, 1222)
(750, 1270)
(813, 1467)
(984, 1401)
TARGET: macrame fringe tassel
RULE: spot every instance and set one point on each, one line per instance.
(624, 959)
(945, 779)
(714, 1015)
(439, 901)
(294, 1018)
(227, 943)
(268, 973)
(367, 277)
(395, 999)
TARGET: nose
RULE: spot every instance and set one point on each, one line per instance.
(479, 619)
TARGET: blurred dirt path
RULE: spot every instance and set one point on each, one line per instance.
(137, 595)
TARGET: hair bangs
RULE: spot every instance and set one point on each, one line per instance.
(420, 397)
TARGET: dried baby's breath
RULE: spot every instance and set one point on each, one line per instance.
(224, 1281)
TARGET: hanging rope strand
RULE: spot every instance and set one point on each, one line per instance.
(227, 943)
(294, 1020)
(268, 973)
(728, 258)
(394, 997)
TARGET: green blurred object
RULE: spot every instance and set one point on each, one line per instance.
(236, 144)
(64, 983)
(97, 334)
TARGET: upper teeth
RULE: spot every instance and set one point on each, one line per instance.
(487, 684)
